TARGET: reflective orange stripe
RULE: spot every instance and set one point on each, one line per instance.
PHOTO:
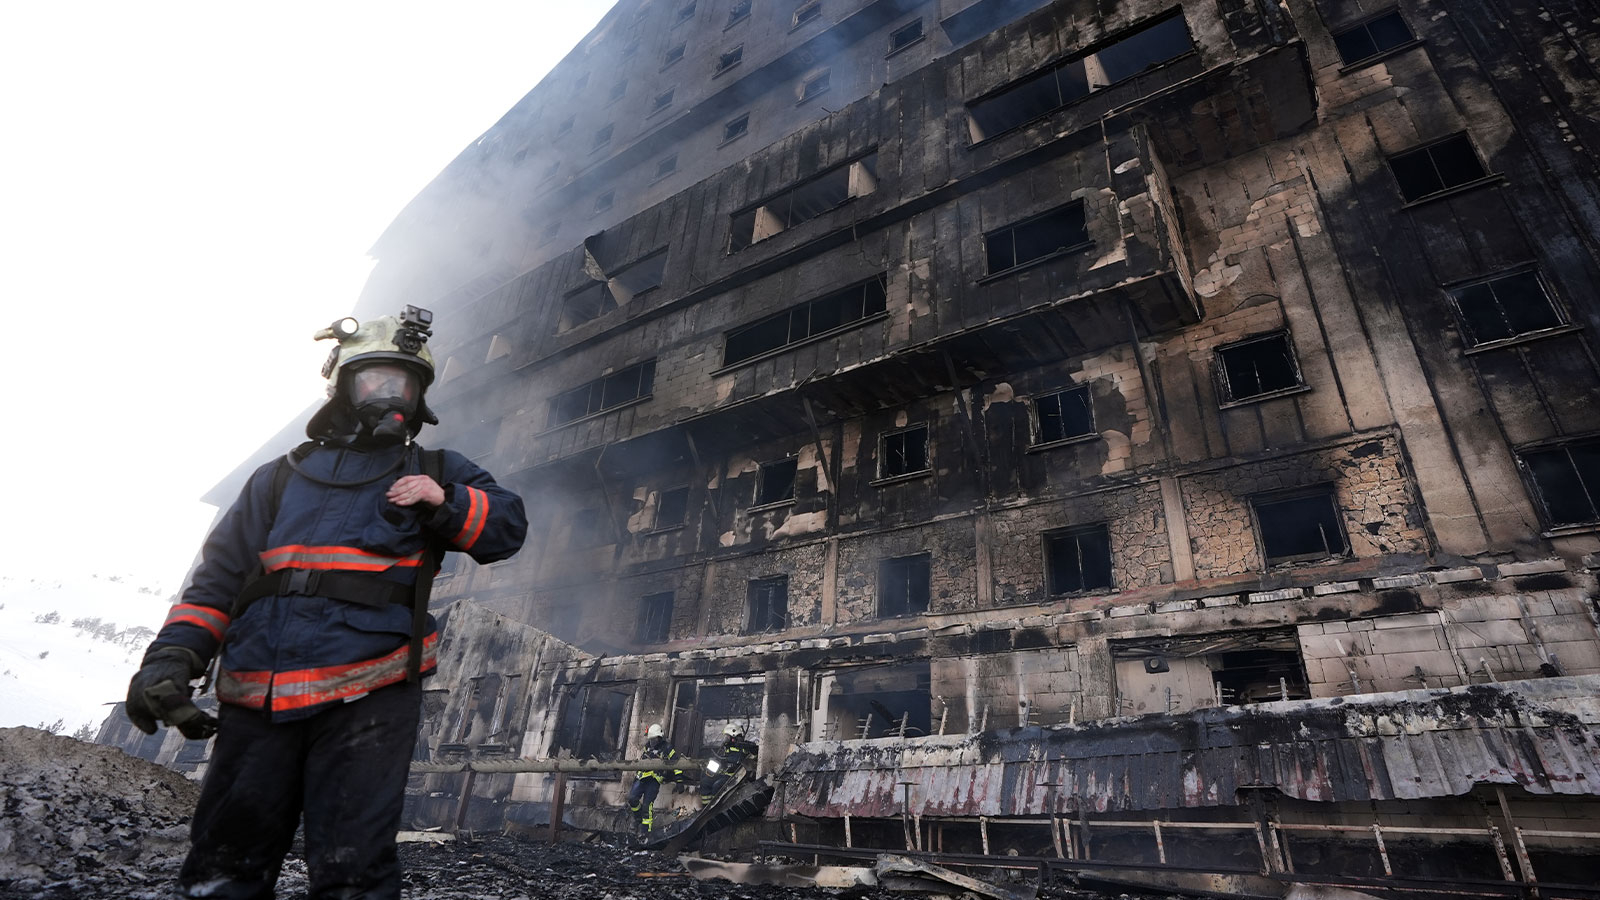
(303, 688)
(214, 621)
(477, 517)
(349, 559)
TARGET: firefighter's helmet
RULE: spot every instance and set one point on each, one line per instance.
(402, 339)
(654, 731)
(392, 341)
(733, 730)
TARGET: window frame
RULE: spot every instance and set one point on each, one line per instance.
(1326, 492)
(658, 105)
(671, 170)
(1037, 422)
(1047, 538)
(753, 587)
(738, 12)
(1536, 492)
(1224, 387)
(1564, 326)
(922, 35)
(857, 184)
(674, 55)
(648, 617)
(656, 524)
(807, 94)
(790, 311)
(1377, 55)
(810, 9)
(1058, 253)
(603, 136)
(743, 120)
(723, 62)
(598, 384)
(1486, 178)
(883, 453)
(605, 200)
(925, 558)
(756, 501)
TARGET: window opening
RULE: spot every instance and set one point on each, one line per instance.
(903, 586)
(1436, 168)
(1372, 37)
(672, 507)
(804, 201)
(667, 166)
(638, 278)
(565, 126)
(739, 10)
(903, 452)
(1567, 482)
(662, 101)
(1300, 528)
(618, 90)
(603, 136)
(870, 701)
(605, 393)
(730, 59)
(905, 36)
(685, 13)
(807, 12)
(1054, 232)
(1258, 367)
(604, 201)
(1040, 94)
(592, 721)
(585, 304)
(702, 711)
(736, 128)
(1078, 560)
(655, 618)
(813, 318)
(813, 86)
(673, 55)
(775, 481)
(768, 605)
(1178, 674)
(581, 83)
(1505, 306)
(1064, 414)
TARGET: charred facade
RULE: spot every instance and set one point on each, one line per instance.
(938, 388)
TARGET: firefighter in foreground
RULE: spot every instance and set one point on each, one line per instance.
(735, 753)
(313, 587)
(642, 796)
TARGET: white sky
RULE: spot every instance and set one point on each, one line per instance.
(188, 191)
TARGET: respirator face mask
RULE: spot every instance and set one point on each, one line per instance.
(385, 397)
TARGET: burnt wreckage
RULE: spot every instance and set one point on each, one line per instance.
(1124, 432)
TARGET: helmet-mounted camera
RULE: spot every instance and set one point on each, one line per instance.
(416, 326)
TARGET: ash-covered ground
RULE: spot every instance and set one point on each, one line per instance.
(79, 820)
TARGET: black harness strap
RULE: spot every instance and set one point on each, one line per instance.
(432, 465)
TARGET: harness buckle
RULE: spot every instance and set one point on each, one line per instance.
(301, 581)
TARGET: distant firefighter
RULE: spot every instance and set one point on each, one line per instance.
(642, 796)
(736, 752)
(311, 596)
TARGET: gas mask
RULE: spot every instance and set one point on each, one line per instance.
(384, 397)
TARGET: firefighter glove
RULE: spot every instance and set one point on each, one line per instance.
(161, 690)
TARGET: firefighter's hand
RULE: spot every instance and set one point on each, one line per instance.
(160, 691)
(413, 489)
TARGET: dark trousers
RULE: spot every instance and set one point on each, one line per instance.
(343, 768)
(642, 801)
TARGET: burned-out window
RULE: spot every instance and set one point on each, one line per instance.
(1179, 673)
(618, 91)
(903, 452)
(638, 278)
(775, 481)
(655, 618)
(735, 127)
(804, 202)
(739, 10)
(729, 59)
(603, 136)
(1504, 307)
(1259, 367)
(1375, 36)
(864, 702)
(700, 711)
(905, 36)
(672, 507)
(768, 605)
(1436, 168)
(813, 86)
(1299, 527)
(1567, 482)
(1064, 415)
(813, 318)
(1078, 560)
(604, 201)
(667, 166)
(903, 586)
(605, 393)
(592, 719)
(672, 55)
(684, 13)
(662, 101)
(585, 304)
(581, 83)
(807, 12)
(565, 126)
(1056, 231)
(1064, 83)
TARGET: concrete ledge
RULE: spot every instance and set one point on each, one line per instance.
(1283, 594)
(1172, 606)
(1335, 587)
(1396, 581)
(1452, 576)
(1118, 612)
(1532, 567)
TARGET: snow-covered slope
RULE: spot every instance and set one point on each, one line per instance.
(68, 645)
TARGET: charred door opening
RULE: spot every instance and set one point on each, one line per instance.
(872, 701)
(701, 710)
(1177, 674)
(594, 721)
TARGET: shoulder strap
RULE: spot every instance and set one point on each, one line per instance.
(281, 474)
(431, 463)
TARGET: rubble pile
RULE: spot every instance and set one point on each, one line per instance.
(83, 820)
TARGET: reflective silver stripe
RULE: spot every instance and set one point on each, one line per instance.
(252, 692)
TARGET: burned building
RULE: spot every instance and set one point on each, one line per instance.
(1044, 423)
